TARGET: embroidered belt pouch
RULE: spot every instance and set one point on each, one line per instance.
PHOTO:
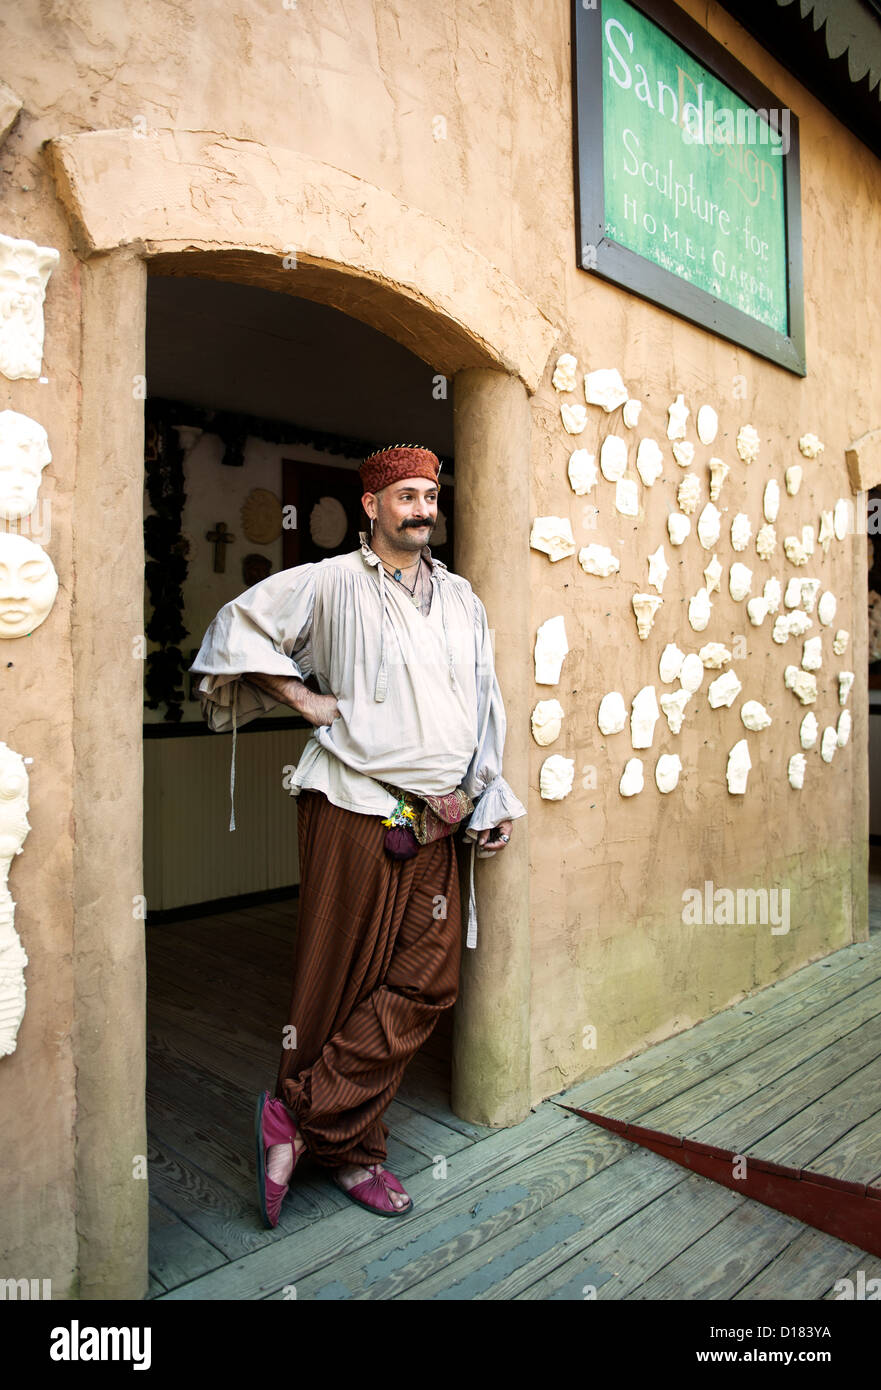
(418, 820)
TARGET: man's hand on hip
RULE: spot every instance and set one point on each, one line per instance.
(288, 690)
(502, 833)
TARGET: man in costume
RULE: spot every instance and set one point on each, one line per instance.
(408, 733)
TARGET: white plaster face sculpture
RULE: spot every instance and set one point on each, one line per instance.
(808, 730)
(546, 721)
(713, 576)
(812, 659)
(683, 452)
(739, 764)
(688, 493)
(677, 418)
(827, 608)
(613, 457)
(709, 526)
(553, 536)
(826, 532)
(771, 500)
(632, 778)
(574, 418)
(678, 528)
(649, 461)
(556, 777)
(699, 608)
(598, 560)
(792, 478)
(582, 471)
(792, 596)
(707, 424)
(810, 446)
(842, 637)
(612, 713)
(718, 473)
(14, 828)
(829, 744)
(714, 656)
(841, 518)
(845, 681)
(757, 611)
(24, 274)
(724, 690)
(807, 540)
(673, 704)
(645, 606)
(670, 663)
(627, 497)
(644, 715)
(772, 594)
(844, 727)
(748, 443)
(658, 569)
(550, 649)
(796, 771)
(631, 413)
(766, 541)
(605, 388)
(741, 531)
(564, 372)
(24, 453)
(667, 770)
(754, 716)
(692, 673)
(740, 580)
(28, 585)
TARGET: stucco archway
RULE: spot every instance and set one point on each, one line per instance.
(193, 203)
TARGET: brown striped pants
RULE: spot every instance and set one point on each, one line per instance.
(374, 967)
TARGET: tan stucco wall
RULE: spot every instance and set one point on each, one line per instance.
(358, 89)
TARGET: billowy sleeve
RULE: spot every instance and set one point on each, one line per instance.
(266, 629)
(494, 800)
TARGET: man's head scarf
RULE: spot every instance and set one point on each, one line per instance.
(397, 462)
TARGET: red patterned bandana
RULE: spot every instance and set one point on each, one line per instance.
(397, 462)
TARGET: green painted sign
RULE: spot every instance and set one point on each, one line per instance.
(694, 177)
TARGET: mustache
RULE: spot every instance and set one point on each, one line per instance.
(411, 522)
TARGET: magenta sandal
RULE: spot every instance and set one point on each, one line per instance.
(373, 1192)
(272, 1125)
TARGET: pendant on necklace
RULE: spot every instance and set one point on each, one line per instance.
(397, 574)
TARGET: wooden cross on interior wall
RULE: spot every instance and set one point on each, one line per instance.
(221, 538)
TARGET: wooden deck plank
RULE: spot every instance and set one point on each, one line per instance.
(288, 1260)
(804, 1270)
(776, 1119)
(562, 1213)
(705, 1099)
(867, 1265)
(177, 1252)
(663, 1070)
(815, 1128)
(855, 1156)
(642, 1244)
(719, 1264)
(465, 1246)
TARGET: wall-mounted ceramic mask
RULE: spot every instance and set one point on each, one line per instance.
(28, 585)
(24, 453)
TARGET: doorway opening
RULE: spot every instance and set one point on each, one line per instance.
(261, 406)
